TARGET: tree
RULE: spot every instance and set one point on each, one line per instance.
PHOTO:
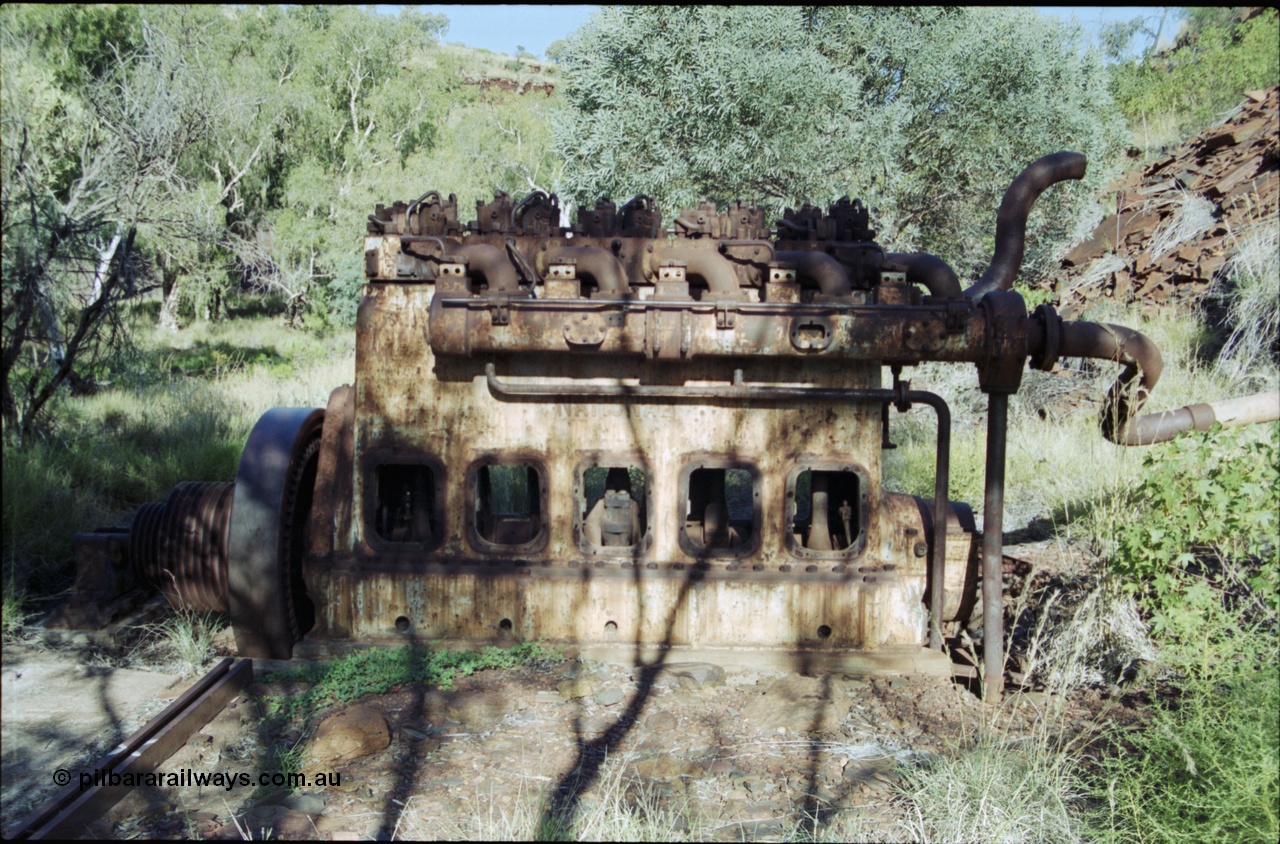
(1219, 56)
(70, 226)
(926, 113)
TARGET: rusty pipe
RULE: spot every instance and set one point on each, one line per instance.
(598, 263)
(490, 262)
(1141, 359)
(929, 271)
(1011, 222)
(993, 549)
(819, 267)
(710, 266)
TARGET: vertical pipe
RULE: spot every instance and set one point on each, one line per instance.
(992, 549)
(937, 564)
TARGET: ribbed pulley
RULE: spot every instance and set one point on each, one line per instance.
(180, 546)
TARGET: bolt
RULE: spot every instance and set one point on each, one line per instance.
(921, 549)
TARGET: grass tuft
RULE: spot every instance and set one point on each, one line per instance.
(185, 638)
(14, 613)
(1089, 636)
(996, 791)
(1250, 289)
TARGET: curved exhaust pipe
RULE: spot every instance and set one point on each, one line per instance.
(598, 263)
(490, 262)
(1011, 222)
(1142, 361)
(929, 271)
(710, 266)
(820, 268)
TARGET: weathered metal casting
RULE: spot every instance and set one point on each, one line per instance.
(632, 439)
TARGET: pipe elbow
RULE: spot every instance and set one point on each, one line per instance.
(1011, 222)
(929, 271)
(821, 269)
(1142, 361)
(601, 265)
(490, 262)
(710, 266)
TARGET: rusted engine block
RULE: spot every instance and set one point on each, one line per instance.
(631, 438)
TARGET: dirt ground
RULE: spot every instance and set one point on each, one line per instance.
(742, 756)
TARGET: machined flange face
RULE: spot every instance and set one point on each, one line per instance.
(269, 520)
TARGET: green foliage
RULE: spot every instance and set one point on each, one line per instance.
(1201, 551)
(925, 113)
(1034, 296)
(187, 637)
(338, 298)
(378, 670)
(82, 41)
(12, 614)
(1204, 769)
(1205, 77)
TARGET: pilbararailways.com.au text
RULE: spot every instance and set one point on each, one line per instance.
(203, 779)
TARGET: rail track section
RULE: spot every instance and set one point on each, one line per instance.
(69, 813)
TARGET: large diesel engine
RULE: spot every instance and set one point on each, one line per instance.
(637, 436)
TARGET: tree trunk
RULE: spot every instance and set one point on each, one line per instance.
(169, 308)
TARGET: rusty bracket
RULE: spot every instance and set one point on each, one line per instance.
(726, 315)
(664, 327)
(500, 311)
(957, 316)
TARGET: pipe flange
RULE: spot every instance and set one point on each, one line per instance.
(1052, 323)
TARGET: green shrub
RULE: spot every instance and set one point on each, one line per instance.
(1201, 550)
(1204, 769)
(1200, 81)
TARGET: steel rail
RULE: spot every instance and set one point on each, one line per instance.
(69, 813)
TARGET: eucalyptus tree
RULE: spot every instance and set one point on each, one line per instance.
(926, 113)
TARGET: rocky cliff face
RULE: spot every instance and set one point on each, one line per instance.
(1178, 219)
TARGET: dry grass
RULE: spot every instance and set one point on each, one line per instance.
(1091, 634)
(1193, 216)
(1250, 289)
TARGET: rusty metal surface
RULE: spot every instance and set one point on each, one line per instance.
(273, 490)
(722, 378)
(180, 547)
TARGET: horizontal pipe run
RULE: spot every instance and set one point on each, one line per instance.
(886, 333)
(738, 390)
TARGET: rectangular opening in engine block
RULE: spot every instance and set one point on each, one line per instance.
(826, 511)
(405, 503)
(721, 500)
(612, 507)
(508, 506)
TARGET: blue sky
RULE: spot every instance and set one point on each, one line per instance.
(503, 28)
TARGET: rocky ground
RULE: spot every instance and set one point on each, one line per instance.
(687, 752)
(1178, 219)
(738, 757)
